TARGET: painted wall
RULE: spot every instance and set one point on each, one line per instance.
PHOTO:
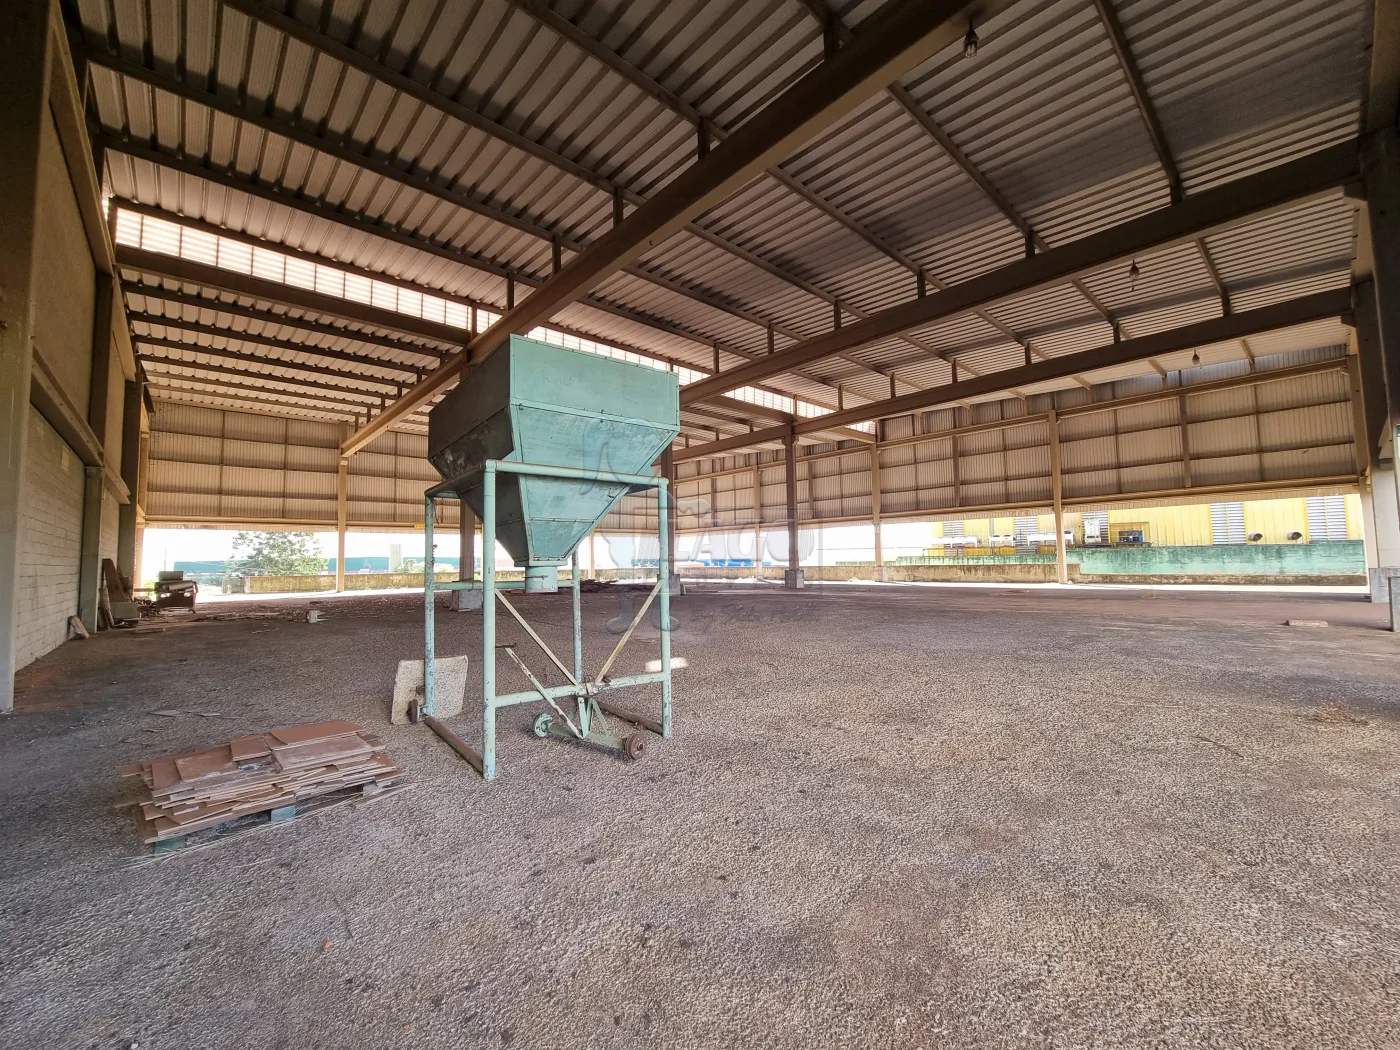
(1180, 526)
(51, 534)
(1342, 558)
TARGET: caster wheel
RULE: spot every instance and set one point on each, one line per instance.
(635, 746)
(542, 724)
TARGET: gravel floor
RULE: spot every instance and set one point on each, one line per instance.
(889, 817)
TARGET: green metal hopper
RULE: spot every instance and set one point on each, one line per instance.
(530, 402)
(542, 442)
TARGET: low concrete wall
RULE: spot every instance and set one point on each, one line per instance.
(1339, 564)
(1343, 558)
(357, 581)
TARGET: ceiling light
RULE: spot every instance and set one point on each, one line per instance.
(1195, 357)
(1133, 274)
(970, 42)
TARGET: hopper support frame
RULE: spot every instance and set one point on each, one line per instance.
(590, 697)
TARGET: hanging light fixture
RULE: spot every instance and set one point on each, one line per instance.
(970, 42)
(1195, 357)
(1133, 274)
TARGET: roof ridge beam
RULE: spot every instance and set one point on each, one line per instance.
(567, 30)
(905, 36)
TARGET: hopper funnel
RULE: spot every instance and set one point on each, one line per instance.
(529, 402)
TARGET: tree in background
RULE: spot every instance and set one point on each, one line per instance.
(278, 554)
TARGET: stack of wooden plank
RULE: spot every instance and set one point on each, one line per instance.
(250, 774)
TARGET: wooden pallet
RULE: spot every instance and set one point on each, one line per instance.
(241, 827)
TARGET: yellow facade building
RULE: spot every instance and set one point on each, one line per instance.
(1189, 525)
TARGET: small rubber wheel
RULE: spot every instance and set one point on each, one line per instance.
(635, 746)
(542, 724)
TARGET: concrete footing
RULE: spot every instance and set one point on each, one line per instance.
(794, 579)
(467, 601)
(1380, 583)
(449, 687)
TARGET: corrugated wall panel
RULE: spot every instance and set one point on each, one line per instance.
(254, 453)
(185, 448)
(1140, 447)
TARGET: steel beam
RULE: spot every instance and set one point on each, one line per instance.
(428, 96)
(310, 349)
(1381, 158)
(831, 23)
(902, 38)
(1382, 101)
(353, 406)
(227, 354)
(303, 206)
(1271, 190)
(188, 397)
(412, 182)
(189, 272)
(1371, 370)
(371, 396)
(1310, 308)
(234, 309)
(766, 436)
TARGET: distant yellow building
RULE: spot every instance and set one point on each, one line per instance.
(1295, 520)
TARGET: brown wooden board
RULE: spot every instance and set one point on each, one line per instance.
(313, 731)
(256, 773)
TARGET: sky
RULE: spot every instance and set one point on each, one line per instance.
(163, 547)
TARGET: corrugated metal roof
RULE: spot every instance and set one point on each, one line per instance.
(1043, 112)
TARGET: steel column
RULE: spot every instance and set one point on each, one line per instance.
(342, 494)
(1057, 496)
(875, 497)
(578, 617)
(130, 467)
(663, 498)
(792, 579)
(429, 612)
(757, 520)
(488, 622)
(668, 534)
(467, 600)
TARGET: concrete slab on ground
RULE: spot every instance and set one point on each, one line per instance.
(895, 817)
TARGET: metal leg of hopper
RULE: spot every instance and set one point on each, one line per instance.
(488, 623)
(578, 621)
(429, 608)
(663, 493)
(454, 741)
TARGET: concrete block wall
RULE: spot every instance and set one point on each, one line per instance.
(50, 537)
